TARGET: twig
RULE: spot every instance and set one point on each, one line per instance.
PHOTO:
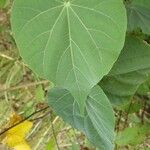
(41, 139)
(126, 119)
(24, 86)
(7, 57)
(41, 117)
(67, 145)
(65, 130)
(143, 112)
(146, 113)
(55, 120)
(76, 137)
(118, 122)
(1, 133)
(34, 129)
(53, 131)
(44, 134)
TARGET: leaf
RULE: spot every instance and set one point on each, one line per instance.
(75, 147)
(138, 12)
(2, 3)
(133, 136)
(71, 43)
(20, 130)
(128, 73)
(96, 124)
(51, 144)
(144, 88)
(15, 137)
(39, 94)
(134, 107)
(23, 146)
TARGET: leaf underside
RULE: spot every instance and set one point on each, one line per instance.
(96, 124)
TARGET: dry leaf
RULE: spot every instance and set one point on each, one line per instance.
(22, 146)
(15, 137)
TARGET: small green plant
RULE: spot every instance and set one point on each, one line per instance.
(78, 45)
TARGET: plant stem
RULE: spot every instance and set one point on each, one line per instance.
(53, 131)
(23, 86)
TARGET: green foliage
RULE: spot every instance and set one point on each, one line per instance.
(75, 147)
(129, 72)
(39, 94)
(138, 12)
(133, 135)
(77, 44)
(59, 37)
(144, 88)
(51, 144)
(2, 3)
(131, 106)
(96, 123)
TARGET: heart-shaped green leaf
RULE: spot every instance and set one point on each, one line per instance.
(73, 43)
(98, 121)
